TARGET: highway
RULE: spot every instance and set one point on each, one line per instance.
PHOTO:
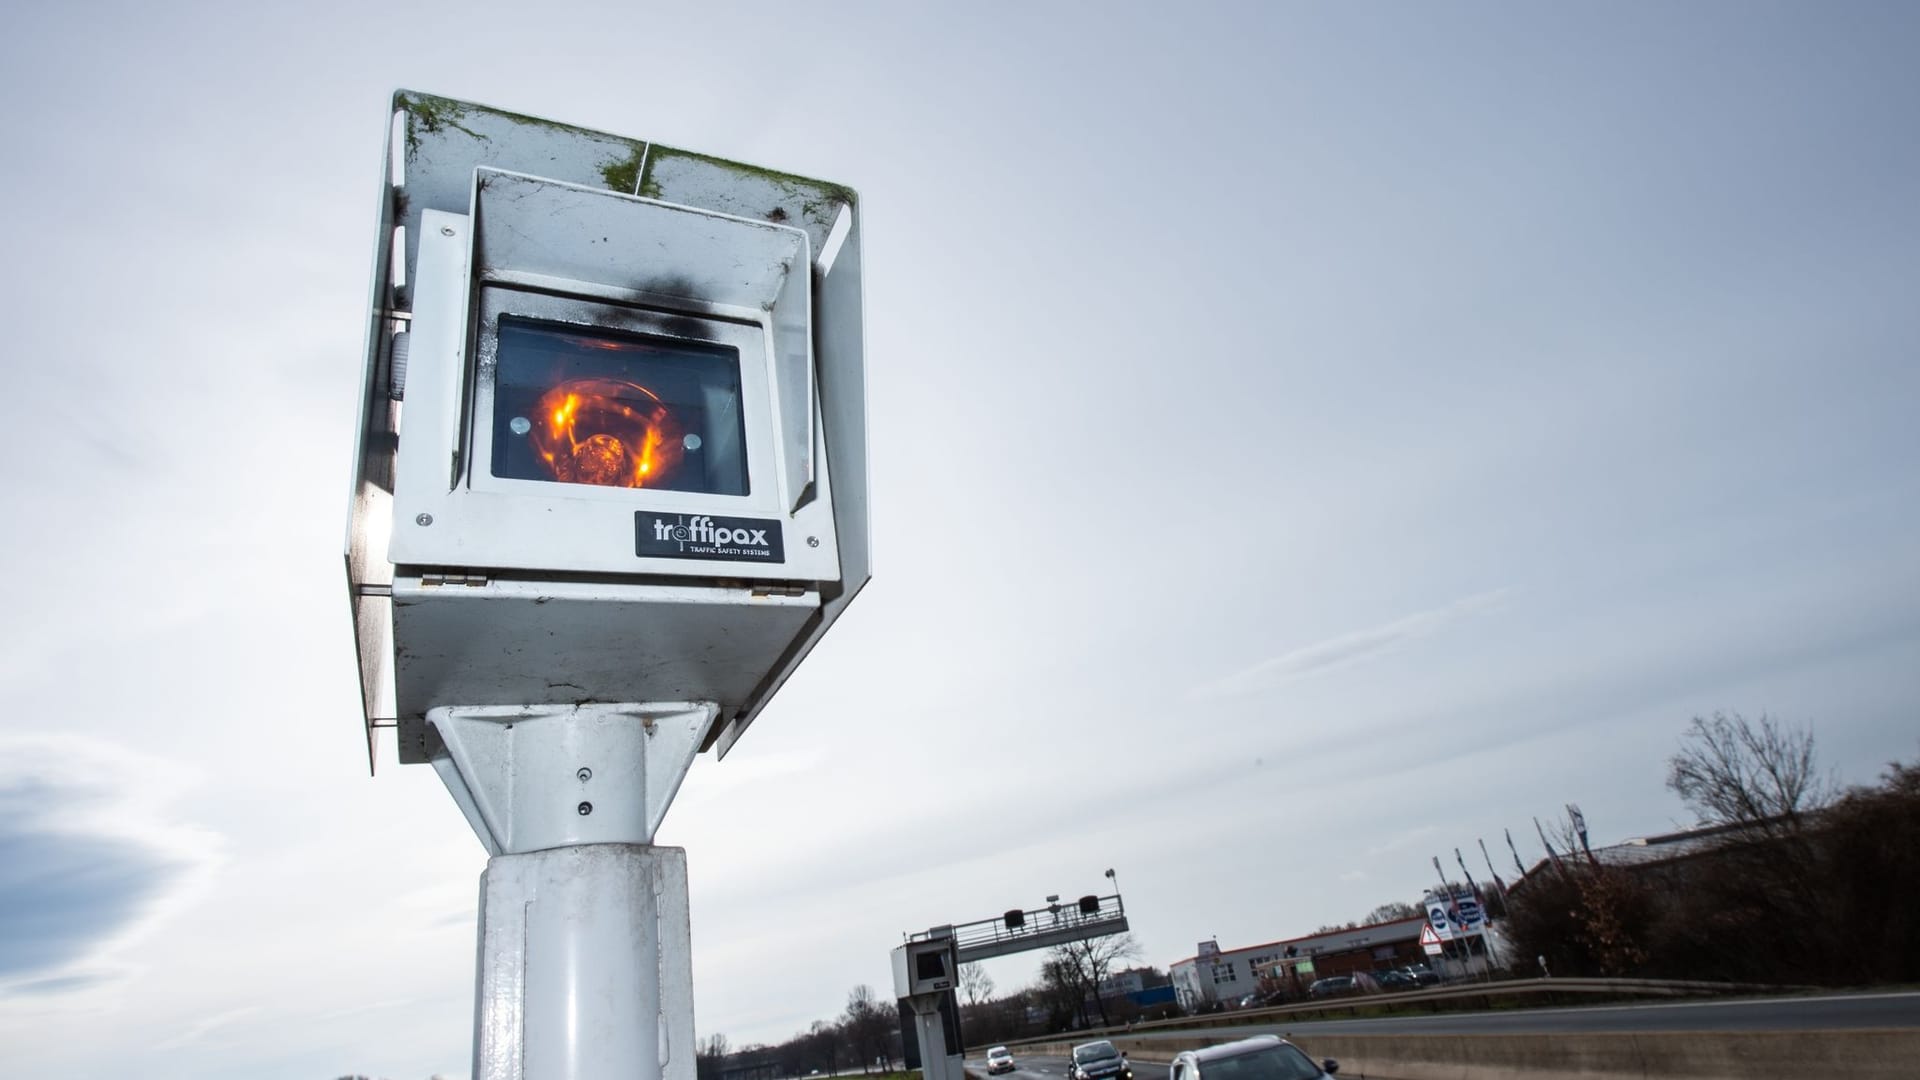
(1048, 1068)
(1826, 1012)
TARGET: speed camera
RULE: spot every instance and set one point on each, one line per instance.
(925, 967)
(612, 443)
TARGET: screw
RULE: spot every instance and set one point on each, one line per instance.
(585, 774)
(423, 519)
(446, 230)
(585, 808)
(813, 541)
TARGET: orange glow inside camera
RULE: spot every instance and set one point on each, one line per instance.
(609, 432)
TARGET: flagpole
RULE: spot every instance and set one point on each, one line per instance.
(1518, 866)
(1551, 854)
(1486, 924)
(1446, 890)
(1498, 884)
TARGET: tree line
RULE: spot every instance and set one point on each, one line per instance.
(865, 1034)
(1795, 880)
(1069, 994)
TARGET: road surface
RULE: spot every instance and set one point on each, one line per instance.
(1825, 1012)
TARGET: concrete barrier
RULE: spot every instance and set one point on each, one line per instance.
(1862, 1054)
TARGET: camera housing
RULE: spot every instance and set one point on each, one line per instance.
(612, 441)
(926, 967)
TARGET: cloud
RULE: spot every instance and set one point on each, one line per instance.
(63, 894)
(89, 860)
(200, 1030)
(1403, 839)
(1346, 650)
(63, 984)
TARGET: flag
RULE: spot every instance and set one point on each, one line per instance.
(1551, 854)
(1518, 866)
(1498, 885)
(1579, 821)
(1471, 884)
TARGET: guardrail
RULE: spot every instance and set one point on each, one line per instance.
(1435, 998)
(1856, 1053)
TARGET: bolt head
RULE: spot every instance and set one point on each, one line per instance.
(423, 519)
(585, 774)
(813, 541)
(585, 808)
(446, 230)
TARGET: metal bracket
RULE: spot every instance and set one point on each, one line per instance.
(433, 578)
(534, 777)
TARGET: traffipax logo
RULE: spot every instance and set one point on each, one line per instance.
(698, 536)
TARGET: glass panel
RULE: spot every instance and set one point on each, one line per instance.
(581, 405)
(1277, 1063)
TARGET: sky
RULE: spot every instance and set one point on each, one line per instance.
(1305, 439)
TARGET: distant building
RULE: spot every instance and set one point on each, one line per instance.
(762, 1066)
(1659, 850)
(1145, 987)
(1132, 981)
(1229, 975)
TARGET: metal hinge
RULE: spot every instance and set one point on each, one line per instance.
(430, 580)
(779, 590)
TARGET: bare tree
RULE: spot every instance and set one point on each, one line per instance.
(823, 1042)
(709, 1055)
(869, 1028)
(975, 983)
(1733, 771)
(1567, 835)
(1090, 963)
(1063, 989)
(1392, 911)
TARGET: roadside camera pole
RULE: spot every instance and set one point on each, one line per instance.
(628, 498)
(586, 955)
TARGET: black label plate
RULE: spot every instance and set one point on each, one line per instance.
(698, 536)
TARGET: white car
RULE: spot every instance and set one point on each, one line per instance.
(1263, 1057)
(999, 1061)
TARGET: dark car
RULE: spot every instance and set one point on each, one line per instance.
(1263, 1057)
(1391, 981)
(1099, 1061)
(1333, 986)
(1424, 975)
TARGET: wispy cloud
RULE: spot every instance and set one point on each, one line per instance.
(1345, 650)
(90, 859)
(1403, 839)
(198, 1031)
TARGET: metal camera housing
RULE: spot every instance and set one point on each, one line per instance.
(925, 967)
(510, 245)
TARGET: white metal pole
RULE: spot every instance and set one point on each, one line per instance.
(586, 966)
(585, 952)
(931, 1028)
